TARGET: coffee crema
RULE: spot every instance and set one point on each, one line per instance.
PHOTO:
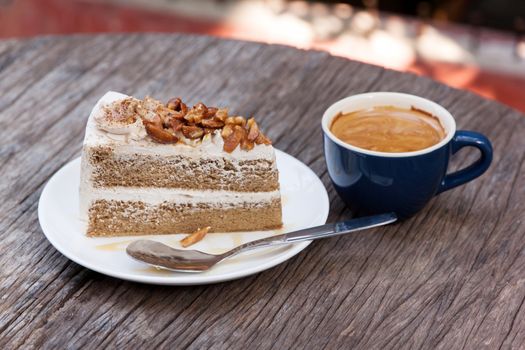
(388, 129)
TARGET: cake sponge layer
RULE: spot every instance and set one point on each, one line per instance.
(109, 169)
(119, 218)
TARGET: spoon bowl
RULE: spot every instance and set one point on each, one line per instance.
(163, 256)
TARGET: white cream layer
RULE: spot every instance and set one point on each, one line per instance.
(210, 147)
(155, 196)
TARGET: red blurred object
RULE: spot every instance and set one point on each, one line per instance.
(26, 18)
(505, 88)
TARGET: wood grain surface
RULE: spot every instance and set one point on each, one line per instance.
(452, 277)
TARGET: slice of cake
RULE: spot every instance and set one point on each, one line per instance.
(154, 168)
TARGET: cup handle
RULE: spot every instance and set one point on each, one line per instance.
(462, 139)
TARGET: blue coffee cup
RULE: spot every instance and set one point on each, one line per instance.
(377, 182)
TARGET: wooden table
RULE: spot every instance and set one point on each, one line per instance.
(451, 277)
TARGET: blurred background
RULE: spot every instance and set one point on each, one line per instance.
(469, 44)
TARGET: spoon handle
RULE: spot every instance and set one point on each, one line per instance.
(340, 228)
(328, 230)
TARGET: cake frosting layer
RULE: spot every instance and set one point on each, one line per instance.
(211, 146)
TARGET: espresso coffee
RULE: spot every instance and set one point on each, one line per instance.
(388, 129)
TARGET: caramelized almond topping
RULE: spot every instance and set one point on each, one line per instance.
(195, 237)
(192, 132)
(166, 123)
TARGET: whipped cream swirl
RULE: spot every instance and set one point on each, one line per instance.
(119, 120)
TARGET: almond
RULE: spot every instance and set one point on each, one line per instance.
(159, 134)
(262, 139)
(200, 108)
(183, 108)
(192, 132)
(195, 237)
(240, 121)
(174, 103)
(164, 115)
(221, 114)
(196, 114)
(247, 145)
(211, 112)
(197, 118)
(250, 122)
(156, 120)
(234, 139)
(253, 130)
(230, 121)
(226, 131)
(177, 105)
(190, 116)
(211, 123)
(176, 124)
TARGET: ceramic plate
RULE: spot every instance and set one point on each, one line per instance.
(305, 204)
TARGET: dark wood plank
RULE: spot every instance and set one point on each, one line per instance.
(451, 277)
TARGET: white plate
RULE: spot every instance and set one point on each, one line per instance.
(305, 204)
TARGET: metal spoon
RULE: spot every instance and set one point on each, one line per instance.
(166, 257)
